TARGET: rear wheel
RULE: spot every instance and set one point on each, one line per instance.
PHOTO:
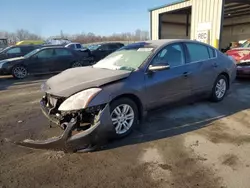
(219, 89)
(19, 72)
(124, 115)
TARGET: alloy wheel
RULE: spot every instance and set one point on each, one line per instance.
(20, 72)
(76, 64)
(220, 88)
(123, 118)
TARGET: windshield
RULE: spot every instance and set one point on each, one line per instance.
(5, 49)
(125, 59)
(93, 47)
(31, 53)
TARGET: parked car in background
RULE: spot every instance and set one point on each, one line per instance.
(3, 43)
(43, 60)
(239, 54)
(243, 68)
(76, 46)
(30, 42)
(99, 51)
(242, 57)
(107, 100)
(231, 46)
(57, 41)
(81, 49)
(16, 51)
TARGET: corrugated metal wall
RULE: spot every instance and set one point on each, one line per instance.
(207, 11)
(156, 13)
(202, 11)
(235, 29)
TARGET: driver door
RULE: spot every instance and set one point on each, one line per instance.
(168, 85)
(42, 62)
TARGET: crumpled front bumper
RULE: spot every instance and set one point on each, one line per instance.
(97, 135)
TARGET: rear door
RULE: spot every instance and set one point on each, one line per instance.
(64, 59)
(42, 62)
(202, 65)
(26, 49)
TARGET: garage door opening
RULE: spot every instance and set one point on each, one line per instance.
(176, 24)
(236, 24)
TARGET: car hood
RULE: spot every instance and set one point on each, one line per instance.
(77, 79)
(12, 59)
(239, 53)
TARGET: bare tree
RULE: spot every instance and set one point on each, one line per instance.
(22, 34)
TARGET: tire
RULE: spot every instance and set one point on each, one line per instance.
(19, 72)
(219, 89)
(132, 110)
(76, 64)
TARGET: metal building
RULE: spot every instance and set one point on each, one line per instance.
(216, 22)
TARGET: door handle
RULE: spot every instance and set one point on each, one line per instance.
(215, 65)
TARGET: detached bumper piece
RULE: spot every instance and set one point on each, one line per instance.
(83, 141)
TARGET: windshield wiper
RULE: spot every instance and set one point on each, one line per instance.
(126, 68)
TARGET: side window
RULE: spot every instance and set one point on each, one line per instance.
(172, 54)
(72, 46)
(14, 51)
(78, 46)
(211, 52)
(26, 50)
(113, 46)
(104, 47)
(48, 53)
(197, 52)
(62, 52)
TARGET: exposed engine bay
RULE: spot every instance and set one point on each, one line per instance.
(81, 127)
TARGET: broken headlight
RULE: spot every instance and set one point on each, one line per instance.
(79, 100)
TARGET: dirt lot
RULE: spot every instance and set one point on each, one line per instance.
(201, 145)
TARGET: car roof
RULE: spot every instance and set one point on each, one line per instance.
(21, 46)
(73, 43)
(54, 47)
(162, 42)
(102, 43)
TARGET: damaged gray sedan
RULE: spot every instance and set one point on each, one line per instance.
(97, 103)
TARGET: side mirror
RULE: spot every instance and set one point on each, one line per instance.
(158, 67)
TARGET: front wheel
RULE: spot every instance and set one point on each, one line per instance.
(219, 89)
(124, 115)
(19, 72)
(76, 64)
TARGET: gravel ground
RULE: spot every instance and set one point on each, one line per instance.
(200, 145)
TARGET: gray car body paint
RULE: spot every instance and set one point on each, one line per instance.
(152, 89)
